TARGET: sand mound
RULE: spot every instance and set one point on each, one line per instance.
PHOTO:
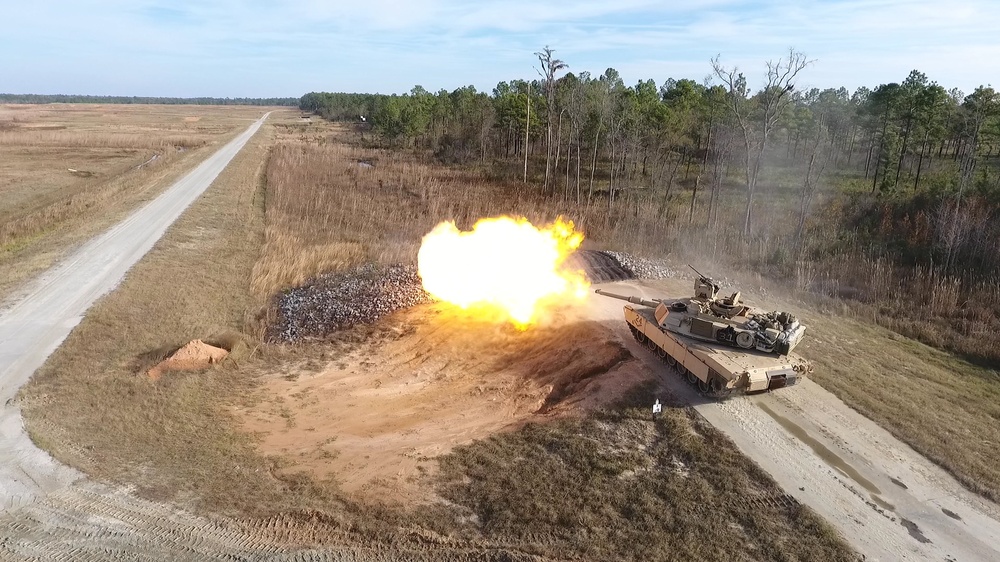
(193, 356)
(433, 378)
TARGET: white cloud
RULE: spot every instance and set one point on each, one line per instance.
(257, 47)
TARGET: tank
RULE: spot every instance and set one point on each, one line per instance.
(721, 344)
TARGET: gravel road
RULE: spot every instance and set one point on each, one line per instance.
(42, 501)
(889, 502)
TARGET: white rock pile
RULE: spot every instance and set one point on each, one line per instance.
(643, 268)
(337, 301)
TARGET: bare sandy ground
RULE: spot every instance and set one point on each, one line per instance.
(89, 521)
(440, 377)
(889, 502)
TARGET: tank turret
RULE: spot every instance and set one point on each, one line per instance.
(726, 320)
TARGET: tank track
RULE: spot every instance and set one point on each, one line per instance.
(769, 501)
(705, 389)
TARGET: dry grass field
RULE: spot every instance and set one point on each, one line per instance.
(70, 170)
(309, 198)
(892, 379)
(946, 408)
(618, 486)
(93, 406)
(613, 486)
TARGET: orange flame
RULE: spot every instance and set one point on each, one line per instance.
(503, 264)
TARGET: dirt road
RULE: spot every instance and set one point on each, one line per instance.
(34, 322)
(889, 502)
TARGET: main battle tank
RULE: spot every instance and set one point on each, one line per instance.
(751, 349)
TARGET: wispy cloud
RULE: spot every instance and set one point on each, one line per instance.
(264, 48)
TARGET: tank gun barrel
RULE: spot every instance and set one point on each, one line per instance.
(631, 299)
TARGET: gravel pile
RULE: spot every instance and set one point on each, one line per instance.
(336, 301)
(599, 267)
(643, 268)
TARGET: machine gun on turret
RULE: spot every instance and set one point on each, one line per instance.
(704, 287)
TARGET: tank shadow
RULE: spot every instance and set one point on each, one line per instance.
(679, 393)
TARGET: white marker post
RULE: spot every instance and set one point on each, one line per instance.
(657, 408)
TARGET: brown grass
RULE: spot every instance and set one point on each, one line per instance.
(619, 486)
(940, 311)
(327, 211)
(175, 440)
(68, 171)
(93, 408)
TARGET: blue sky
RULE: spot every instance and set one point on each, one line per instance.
(260, 48)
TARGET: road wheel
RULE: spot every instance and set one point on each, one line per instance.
(719, 389)
(691, 378)
(670, 360)
(661, 352)
(640, 337)
(651, 344)
(704, 387)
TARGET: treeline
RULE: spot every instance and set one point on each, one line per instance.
(580, 136)
(71, 98)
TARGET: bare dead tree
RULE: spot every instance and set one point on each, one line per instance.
(979, 106)
(756, 116)
(527, 127)
(819, 156)
(549, 67)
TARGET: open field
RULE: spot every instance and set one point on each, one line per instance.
(217, 243)
(178, 439)
(374, 434)
(71, 170)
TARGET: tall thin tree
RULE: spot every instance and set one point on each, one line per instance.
(549, 67)
(527, 127)
(757, 115)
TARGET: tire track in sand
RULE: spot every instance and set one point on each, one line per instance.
(885, 499)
